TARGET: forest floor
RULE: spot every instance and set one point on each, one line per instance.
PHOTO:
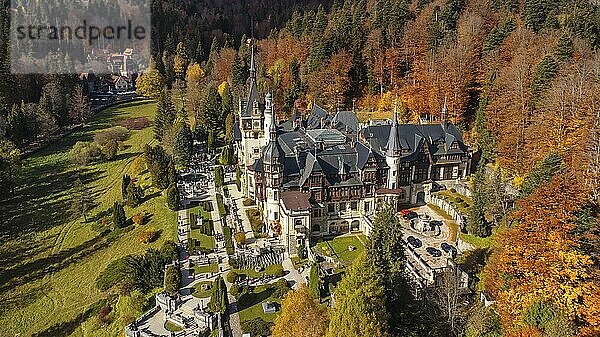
(50, 260)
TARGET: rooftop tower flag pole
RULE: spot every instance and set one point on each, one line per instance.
(444, 116)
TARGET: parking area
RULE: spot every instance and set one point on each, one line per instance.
(427, 239)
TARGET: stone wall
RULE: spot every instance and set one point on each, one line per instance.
(448, 208)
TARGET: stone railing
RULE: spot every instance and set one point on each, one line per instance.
(459, 217)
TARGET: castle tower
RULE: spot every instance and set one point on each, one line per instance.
(272, 161)
(393, 153)
(269, 114)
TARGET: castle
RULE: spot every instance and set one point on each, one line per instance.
(323, 175)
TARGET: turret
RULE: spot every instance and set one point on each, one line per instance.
(269, 116)
(393, 153)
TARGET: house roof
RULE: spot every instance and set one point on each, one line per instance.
(296, 201)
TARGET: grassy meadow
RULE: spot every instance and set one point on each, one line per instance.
(50, 260)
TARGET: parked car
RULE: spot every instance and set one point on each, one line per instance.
(405, 211)
(436, 223)
(410, 215)
(434, 252)
(449, 249)
(414, 241)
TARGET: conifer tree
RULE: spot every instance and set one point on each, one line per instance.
(81, 200)
(165, 114)
(118, 216)
(183, 145)
(172, 197)
(124, 185)
(218, 299)
(359, 308)
(476, 222)
(564, 48)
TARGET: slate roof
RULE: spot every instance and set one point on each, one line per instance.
(237, 134)
(345, 121)
(411, 137)
(252, 97)
(316, 115)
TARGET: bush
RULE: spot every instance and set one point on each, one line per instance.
(111, 275)
(280, 289)
(172, 197)
(135, 123)
(274, 270)
(240, 238)
(257, 327)
(105, 314)
(248, 202)
(148, 236)
(172, 280)
(117, 133)
(138, 219)
(84, 153)
(110, 149)
(232, 276)
(234, 290)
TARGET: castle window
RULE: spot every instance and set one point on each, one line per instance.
(354, 206)
(342, 206)
(331, 208)
(367, 206)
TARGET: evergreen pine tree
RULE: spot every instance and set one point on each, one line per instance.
(125, 182)
(165, 114)
(218, 299)
(183, 145)
(172, 197)
(118, 216)
(564, 49)
(359, 299)
(81, 200)
(476, 222)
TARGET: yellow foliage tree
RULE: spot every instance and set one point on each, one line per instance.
(195, 73)
(300, 316)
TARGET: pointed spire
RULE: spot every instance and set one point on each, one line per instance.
(252, 62)
(393, 145)
(273, 128)
(444, 114)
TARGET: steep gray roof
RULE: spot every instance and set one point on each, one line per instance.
(345, 121)
(317, 114)
(412, 136)
(393, 147)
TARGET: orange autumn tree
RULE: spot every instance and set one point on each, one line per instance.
(539, 260)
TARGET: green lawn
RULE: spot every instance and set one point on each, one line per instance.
(201, 293)
(49, 260)
(211, 268)
(206, 242)
(169, 326)
(253, 308)
(338, 248)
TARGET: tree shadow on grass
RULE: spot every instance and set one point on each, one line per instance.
(67, 328)
(250, 299)
(37, 269)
